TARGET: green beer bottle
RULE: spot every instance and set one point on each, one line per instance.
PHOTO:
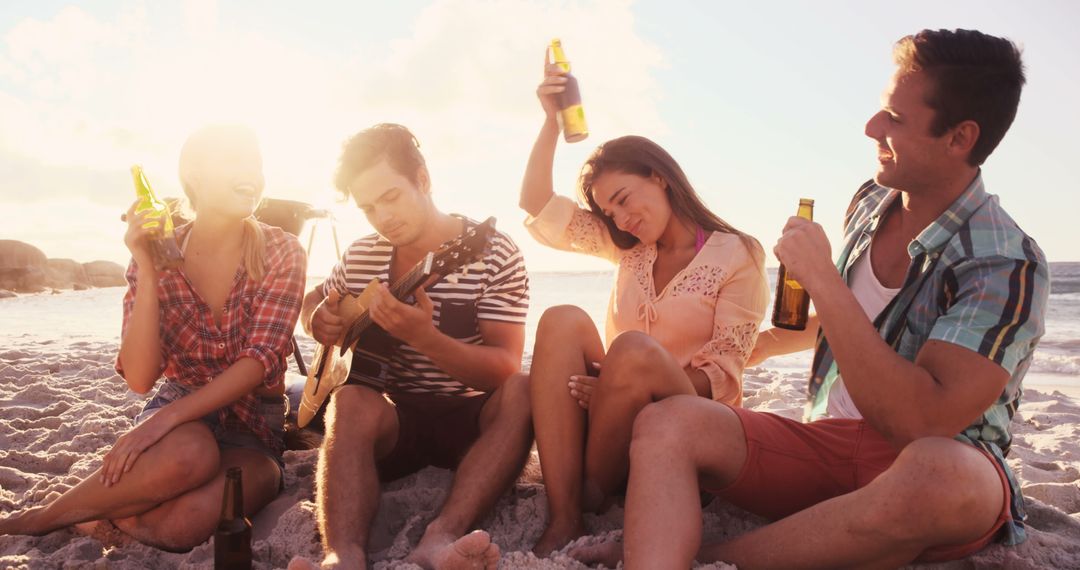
(163, 244)
(792, 305)
(571, 117)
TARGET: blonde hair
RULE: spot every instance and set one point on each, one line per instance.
(195, 149)
(254, 248)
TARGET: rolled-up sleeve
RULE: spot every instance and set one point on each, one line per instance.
(740, 306)
(562, 224)
(276, 310)
(132, 276)
(996, 307)
(129, 305)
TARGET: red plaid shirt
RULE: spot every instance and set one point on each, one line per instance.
(257, 322)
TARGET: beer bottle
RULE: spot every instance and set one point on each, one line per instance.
(232, 539)
(163, 244)
(571, 116)
(792, 304)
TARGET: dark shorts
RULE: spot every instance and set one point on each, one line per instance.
(271, 408)
(791, 466)
(432, 430)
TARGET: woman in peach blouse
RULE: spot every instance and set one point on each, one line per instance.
(689, 295)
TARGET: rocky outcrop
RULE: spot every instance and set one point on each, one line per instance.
(66, 274)
(105, 274)
(25, 269)
(22, 267)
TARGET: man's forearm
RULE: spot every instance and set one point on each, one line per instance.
(238, 380)
(882, 384)
(477, 366)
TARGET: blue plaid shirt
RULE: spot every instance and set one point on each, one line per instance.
(975, 280)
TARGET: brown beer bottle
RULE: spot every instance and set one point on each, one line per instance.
(163, 246)
(792, 304)
(571, 116)
(232, 539)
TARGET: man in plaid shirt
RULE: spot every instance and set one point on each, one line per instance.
(924, 329)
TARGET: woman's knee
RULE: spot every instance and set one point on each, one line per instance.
(560, 319)
(189, 457)
(187, 524)
(634, 359)
(635, 349)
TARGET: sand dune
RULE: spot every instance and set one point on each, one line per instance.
(61, 412)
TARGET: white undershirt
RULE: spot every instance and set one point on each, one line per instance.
(872, 297)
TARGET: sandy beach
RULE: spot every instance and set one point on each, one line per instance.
(63, 408)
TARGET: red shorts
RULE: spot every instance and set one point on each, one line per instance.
(791, 466)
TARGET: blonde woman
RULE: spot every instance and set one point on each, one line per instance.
(217, 330)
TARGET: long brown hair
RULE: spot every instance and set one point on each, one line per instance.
(193, 152)
(642, 157)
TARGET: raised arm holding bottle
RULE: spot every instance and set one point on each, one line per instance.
(691, 292)
(217, 328)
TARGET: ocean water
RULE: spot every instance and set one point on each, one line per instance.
(50, 323)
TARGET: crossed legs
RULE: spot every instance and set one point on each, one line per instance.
(181, 473)
(937, 492)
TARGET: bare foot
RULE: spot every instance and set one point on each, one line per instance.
(21, 522)
(474, 551)
(104, 531)
(557, 536)
(608, 553)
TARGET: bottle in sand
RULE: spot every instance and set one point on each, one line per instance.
(232, 539)
(792, 305)
(163, 243)
(571, 116)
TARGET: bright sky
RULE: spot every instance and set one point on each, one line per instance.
(761, 103)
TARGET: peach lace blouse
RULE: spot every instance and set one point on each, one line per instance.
(707, 316)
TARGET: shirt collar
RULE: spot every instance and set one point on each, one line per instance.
(941, 230)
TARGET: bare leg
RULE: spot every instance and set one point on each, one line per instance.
(361, 426)
(938, 492)
(487, 470)
(683, 442)
(637, 371)
(566, 341)
(189, 520)
(674, 441)
(186, 458)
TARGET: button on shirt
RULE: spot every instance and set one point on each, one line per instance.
(195, 350)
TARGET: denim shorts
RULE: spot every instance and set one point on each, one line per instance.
(271, 408)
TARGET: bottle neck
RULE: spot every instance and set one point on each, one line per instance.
(232, 505)
(558, 57)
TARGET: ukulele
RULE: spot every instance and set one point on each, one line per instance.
(330, 367)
